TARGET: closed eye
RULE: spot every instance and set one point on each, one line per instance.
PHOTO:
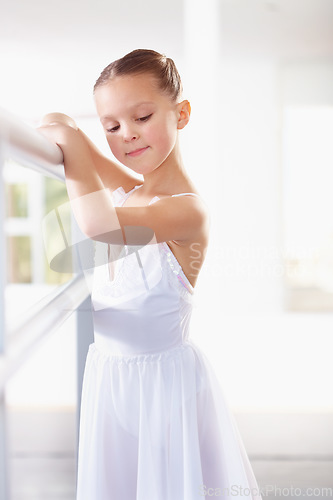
(145, 118)
(142, 119)
(113, 129)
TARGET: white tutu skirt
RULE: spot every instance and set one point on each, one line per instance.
(157, 427)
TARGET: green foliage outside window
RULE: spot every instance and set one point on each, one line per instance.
(18, 259)
(20, 246)
(55, 195)
(17, 200)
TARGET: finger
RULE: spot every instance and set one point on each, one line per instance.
(58, 118)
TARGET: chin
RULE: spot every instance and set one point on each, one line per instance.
(142, 169)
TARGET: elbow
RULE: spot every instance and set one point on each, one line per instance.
(87, 231)
(104, 235)
(89, 228)
(96, 219)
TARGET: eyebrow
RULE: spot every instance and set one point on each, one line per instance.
(108, 117)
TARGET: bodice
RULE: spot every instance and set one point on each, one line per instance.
(146, 305)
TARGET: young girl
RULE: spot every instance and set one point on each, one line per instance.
(154, 421)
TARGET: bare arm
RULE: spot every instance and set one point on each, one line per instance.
(111, 174)
(179, 218)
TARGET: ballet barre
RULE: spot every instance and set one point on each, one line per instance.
(38, 322)
(25, 145)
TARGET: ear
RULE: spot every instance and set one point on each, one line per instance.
(184, 110)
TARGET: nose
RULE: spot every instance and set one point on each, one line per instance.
(130, 134)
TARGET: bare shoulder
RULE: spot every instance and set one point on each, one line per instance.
(193, 209)
(191, 251)
(184, 218)
(200, 214)
(196, 214)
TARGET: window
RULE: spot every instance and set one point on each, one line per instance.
(308, 207)
(29, 196)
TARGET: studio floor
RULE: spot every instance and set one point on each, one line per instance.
(42, 456)
(53, 478)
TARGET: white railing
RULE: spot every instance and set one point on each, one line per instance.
(43, 319)
(27, 146)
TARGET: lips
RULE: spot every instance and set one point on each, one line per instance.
(137, 152)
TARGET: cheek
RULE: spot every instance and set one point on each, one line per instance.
(170, 137)
(171, 127)
(113, 145)
(164, 135)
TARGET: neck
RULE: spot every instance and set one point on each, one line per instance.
(170, 174)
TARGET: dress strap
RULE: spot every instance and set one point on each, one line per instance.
(156, 198)
(119, 195)
(186, 194)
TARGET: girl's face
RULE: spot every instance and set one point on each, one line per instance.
(140, 122)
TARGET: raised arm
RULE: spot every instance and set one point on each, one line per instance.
(112, 174)
(178, 218)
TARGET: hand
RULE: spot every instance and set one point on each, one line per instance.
(58, 128)
(54, 133)
(58, 118)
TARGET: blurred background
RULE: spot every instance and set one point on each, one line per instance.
(259, 76)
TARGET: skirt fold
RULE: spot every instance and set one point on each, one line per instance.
(157, 427)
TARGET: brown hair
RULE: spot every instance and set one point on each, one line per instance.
(141, 61)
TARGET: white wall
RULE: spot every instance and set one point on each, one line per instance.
(266, 359)
(48, 378)
(262, 354)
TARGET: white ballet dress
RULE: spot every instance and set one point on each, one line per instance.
(154, 423)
